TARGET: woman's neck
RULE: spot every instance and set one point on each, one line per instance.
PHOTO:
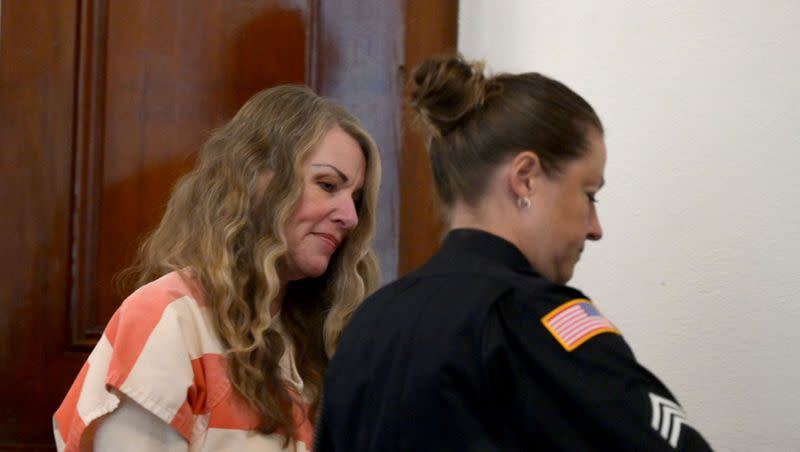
(485, 216)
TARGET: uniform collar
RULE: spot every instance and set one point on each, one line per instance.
(487, 246)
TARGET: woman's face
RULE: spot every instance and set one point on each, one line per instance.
(333, 178)
(563, 213)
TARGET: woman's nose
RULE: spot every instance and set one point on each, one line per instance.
(346, 214)
(595, 230)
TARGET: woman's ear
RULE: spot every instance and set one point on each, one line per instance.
(523, 173)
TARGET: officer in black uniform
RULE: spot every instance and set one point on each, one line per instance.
(484, 347)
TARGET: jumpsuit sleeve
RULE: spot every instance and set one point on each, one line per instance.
(132, 428)
(146, 354)
(565, 377)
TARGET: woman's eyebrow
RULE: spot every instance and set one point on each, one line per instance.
(341, 174)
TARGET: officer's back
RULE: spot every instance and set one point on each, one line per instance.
(409, 373)
(486, 347)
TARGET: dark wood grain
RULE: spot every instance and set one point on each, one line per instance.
(87, 175)
(174, 72)
(431, 29)
(104, 104)
(37, 102)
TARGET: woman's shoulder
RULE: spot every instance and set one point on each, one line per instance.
(160, 350)
(175, 300)
(529, 284)
(542, 307)
(172, 305)
(531, 294)
(161, 292)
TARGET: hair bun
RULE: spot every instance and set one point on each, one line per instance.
(446, 90)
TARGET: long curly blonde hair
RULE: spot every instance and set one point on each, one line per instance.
(232, 240)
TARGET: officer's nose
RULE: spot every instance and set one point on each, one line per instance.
(595, 231)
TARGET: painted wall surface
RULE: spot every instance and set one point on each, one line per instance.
(699, 263)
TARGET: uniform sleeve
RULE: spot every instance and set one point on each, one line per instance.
(565, 377)
(132, 428)
(322, 435)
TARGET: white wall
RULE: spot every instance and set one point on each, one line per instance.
(699, 263)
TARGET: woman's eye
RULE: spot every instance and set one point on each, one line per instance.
(327, 186)
(592, 198)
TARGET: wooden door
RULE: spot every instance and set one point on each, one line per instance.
(103, 104)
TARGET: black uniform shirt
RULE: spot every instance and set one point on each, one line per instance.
(476, 352)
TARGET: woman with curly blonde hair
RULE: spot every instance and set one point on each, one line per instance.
(262, 255)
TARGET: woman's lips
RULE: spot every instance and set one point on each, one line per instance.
(332, 241)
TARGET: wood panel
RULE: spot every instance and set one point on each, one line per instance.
(431, 29)
(104, 104)
(37, 78)
(172, 72)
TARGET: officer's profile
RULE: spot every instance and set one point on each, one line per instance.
(486, 346)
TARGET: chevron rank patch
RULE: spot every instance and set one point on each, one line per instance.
(575, 322)
(668, 417)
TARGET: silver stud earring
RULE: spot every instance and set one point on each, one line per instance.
(523, 202)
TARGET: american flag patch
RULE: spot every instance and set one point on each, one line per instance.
(575, 322)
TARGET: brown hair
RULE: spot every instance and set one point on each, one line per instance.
(473, 123)
(232, 240)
